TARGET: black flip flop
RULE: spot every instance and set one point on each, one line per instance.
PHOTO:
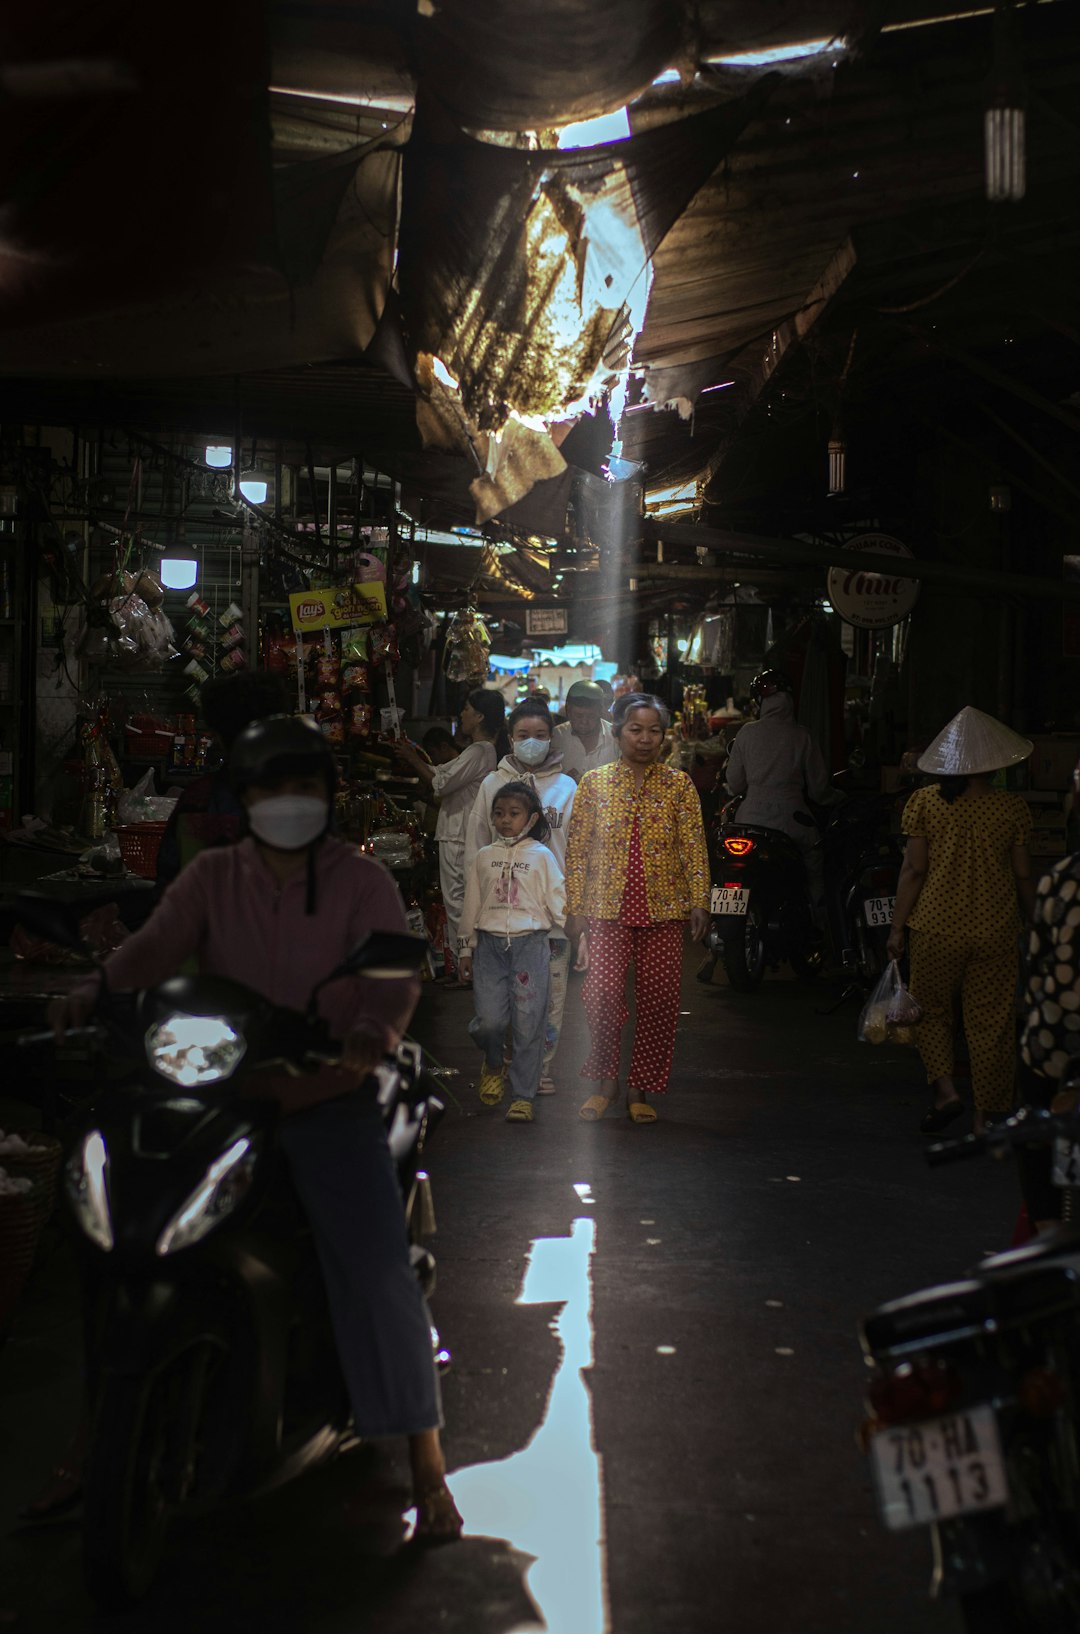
(940, 1117)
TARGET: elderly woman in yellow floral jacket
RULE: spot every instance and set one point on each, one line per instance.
(637, 869)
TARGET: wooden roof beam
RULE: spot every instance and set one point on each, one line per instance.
(805, 554)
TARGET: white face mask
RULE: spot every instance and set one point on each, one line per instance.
(289, 822)
(532, 751)
(516, 839)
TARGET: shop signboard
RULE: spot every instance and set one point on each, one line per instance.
(546, 621)
(337, 608)
(869, 600)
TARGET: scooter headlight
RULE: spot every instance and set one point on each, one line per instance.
(225, 1185)
(192, 1050)
(87, 1184)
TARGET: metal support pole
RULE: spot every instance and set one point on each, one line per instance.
(249, 588)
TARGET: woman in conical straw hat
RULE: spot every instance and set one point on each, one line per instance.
(966, 875)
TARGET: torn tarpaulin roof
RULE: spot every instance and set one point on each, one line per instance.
(526, 64)
(525, 274)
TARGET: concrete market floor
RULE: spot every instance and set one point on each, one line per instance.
(651, 1415)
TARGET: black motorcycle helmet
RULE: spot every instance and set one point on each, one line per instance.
(278, 747)
(768, 682)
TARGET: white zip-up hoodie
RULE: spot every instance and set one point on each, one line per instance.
(554, 790)
(512, 889)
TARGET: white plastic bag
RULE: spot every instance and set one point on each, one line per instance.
(890, 1011)
(142, 805)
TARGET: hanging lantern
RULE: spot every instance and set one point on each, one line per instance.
(837, 462)
(1006, 167)
(1005, 121)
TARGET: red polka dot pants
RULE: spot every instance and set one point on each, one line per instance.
(656, 951)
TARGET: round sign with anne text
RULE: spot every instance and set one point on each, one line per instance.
(869, 599)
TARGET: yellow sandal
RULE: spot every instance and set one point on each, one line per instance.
(595, 1107)
(640, 1112)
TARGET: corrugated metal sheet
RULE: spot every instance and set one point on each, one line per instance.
(887, 151)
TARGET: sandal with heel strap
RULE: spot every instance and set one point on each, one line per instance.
(438, 1519)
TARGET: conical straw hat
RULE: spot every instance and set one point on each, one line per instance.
(971, 743)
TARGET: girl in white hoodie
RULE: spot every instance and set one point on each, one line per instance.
(536, 760)
(515, 901)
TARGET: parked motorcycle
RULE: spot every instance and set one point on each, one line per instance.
(863, 858)
(761, 908)
(213, 1369)
(973, 1428)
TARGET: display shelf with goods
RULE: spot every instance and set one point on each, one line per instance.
(318, 585)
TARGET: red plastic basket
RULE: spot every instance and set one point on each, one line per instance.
(139, 846)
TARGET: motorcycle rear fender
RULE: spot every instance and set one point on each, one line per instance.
(973, 1552)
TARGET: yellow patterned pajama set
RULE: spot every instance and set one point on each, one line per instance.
(964, 930)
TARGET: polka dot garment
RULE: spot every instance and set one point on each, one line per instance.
(985, 984)
(970, 893)
(964, 934)
(656, 952)
(1051, 1042)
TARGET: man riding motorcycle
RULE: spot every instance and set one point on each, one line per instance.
(276, 911)
(775, 764)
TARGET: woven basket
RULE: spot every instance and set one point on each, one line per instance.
(41, 1165)
(139, 846)
(20, 1222)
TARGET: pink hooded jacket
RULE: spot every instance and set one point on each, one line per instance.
(228, 911)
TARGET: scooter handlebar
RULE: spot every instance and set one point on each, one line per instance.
(1031, 1127)
(72, 1035)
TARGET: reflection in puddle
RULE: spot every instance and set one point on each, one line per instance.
(546, 1499)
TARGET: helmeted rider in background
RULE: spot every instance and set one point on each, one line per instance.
(775, 765)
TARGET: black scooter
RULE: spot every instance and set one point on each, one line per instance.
(213, 1372)
(761, 908)
(760, 904)
(974, 1412)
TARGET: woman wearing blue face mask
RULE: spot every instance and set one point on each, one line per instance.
(535, 760)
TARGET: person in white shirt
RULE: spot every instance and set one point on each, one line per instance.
(454, 785)
(585, 738)
(534, 760)
(515, 900)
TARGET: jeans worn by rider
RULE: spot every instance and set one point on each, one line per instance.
(775, 764)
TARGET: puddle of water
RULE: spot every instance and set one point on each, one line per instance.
(547, 1500)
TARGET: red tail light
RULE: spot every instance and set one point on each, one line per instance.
(1041, 1392)
(921, 1389)
(738, 847)
(883, 879)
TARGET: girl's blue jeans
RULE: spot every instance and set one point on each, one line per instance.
(511, 978)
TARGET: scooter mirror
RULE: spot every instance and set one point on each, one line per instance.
(56, 921)
(385, 956)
